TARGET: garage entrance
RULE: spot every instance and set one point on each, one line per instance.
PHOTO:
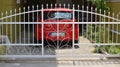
(39, 2)
(49, 4)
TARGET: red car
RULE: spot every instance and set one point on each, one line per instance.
(56, 33)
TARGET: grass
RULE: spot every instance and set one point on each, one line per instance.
(2, 50)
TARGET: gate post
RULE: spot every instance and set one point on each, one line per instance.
(42, 32)
(73, 29)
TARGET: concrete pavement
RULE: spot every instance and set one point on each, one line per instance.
(79, 63)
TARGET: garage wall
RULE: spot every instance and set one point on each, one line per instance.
(7, 5)
(115, 8)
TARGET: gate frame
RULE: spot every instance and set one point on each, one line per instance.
(73, 23)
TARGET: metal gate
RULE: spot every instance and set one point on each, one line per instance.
(59, 31)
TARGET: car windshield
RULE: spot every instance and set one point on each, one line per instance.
(58, 15)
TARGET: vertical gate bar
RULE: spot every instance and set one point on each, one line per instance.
(33, 15)
(104, 26)
(42, 31)
(64, 5)
(37, 22)
(87, 21)
(2, 26)
(47, 6)
(28, 25)
(11, 26)
(100, 28)
(68, 5)
(78, 24)
(51, 6)
(6, 21)
(73, 29)
(55, 5)
(58, 31)
(95, 25)
(78, 16)
(15, 28)
(108, 28)
(19, 26)
(91, 24)
(87, 24)
(113, 15)
(24, 25)
(83, 20)
(59, 5)
(117, 35)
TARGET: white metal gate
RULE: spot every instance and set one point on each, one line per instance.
(23, 32)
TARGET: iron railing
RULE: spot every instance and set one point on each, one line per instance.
(95, 28)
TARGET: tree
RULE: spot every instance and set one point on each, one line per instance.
(101, 4)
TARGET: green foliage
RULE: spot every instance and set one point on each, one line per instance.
(111, 49)
(97, 34)
(92, 33)
(114, 49)
(97, 38)
(101, 4)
